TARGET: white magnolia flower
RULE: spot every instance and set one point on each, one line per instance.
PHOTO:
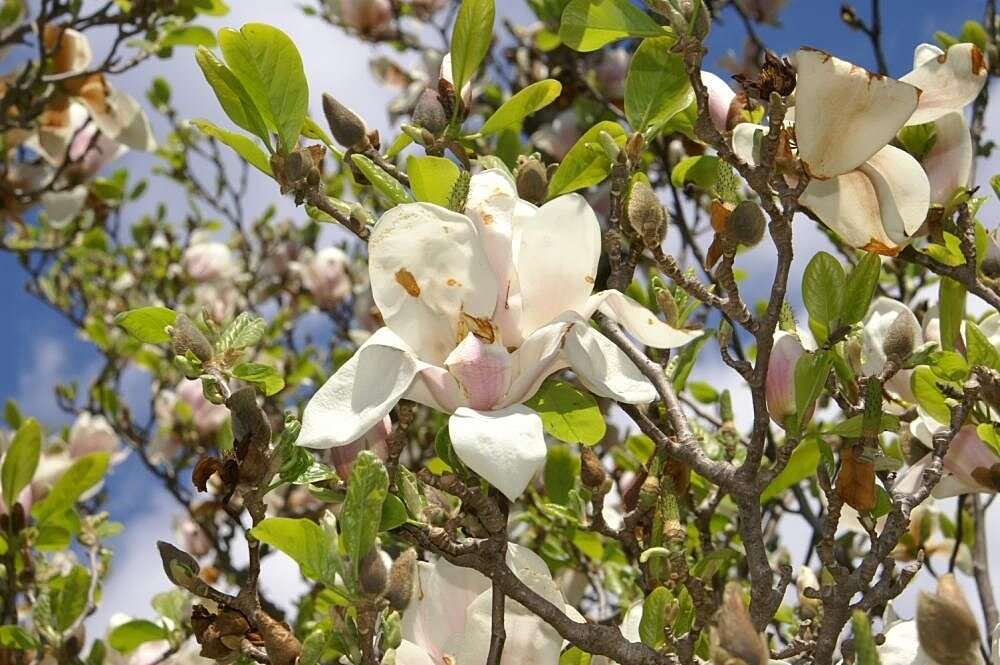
(479, 309)
(92, 434)
(207, 260)
(559, 136)
(325, 275)
(970, 466)
(449, 619)
(882, 314)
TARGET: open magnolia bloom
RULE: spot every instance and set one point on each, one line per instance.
(970, 466)
(885, 314)
(449, 619)
(479, 309)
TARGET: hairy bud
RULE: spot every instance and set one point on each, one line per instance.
(372, 573)
(733, 637)
(346, 126)
(186, 336)
(298, 165)
(400, 586)
(898, 342)
(946, 627)
(429, 112)
(532, 179)
(687, 17)
(592, 472)
(646, 214)
(180, 567)
(746, 224)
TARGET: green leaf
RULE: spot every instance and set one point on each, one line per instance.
(362, 511)
(801, 465)
(860, 288)
(979, 348)
(951, 301)
(232, 96)
(823, 286)
(561, 471)
(384, 183)
(654, 617)
(264, 377)
(811, 371)
(301, 539)
(657, 86)
(86, 472)
(974, 32)
(925, 388)
(393, 513)
(528, 100)
(188, 35)
(583, 166)
(587, 25)
(21, 460)
(568, 414)
(17, 638)
(995, 184)
(245, 330)
(147, 324)
(574, 656)
(432, 178)
(70, 600)
(470, 39)
(244, 146)
(269, 66)
(130, 635)
(700, 170)
(990, 436)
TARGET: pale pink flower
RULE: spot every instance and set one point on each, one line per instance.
(326, 277)
(779, 388)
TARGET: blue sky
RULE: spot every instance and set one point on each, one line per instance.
(40, 348)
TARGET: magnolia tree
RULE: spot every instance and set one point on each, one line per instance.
(468, 408)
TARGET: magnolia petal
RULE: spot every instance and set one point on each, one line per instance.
(902, 647)
(71, 52)
(637, 320)
(408, 653)
(948, 163)
(506, 447)
(744, 136)
(435, 387)
(720, 99)
(63, 206)
(881, 315)
(539, 356)
(529, 638)
(121, 118)
(949, 81)
(436, 611)
(491, 206)
(557, 257)
(428, 269)
(604, 368)
(844, 113)
(902, 189)
(359, 395)
(924, 53)
(967, 453)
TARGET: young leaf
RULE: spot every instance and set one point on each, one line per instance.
(561, 472)
(811, 371)
(587, 25)
(71, 598)
(860, 288)
(823, 290)
(361, 515)
(264, 377)
(930, 398)
(381, 181)
(951, 303)
(432, 178)
(393, 513)
(657, 86)
(801, 465)
(188, 35)
(269, 66)
(147, 324)
(582, 166)
(16, 638)
(232, 96)
(471, 38)
(244, 146)
(654, 617)
(528, 100)
(568, 414)
(21, 460)
(245, 330)
(130, 635)
(980, 350)
(84, 474)
(301, 539)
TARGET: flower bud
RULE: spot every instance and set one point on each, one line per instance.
(733, 637)
(646, 214)
(668, 305)
(746, 224)
(779, 387)
(372, 573)
(298, 164)
(685, 16)
(429, 112)
(532, 179)
(592, 472)
(946, 627)
(898, 342)
(400, 586)
(483, 370)
(180, 567)
(185, 336)
(346, 126)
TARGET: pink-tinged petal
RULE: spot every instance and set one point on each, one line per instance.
(71, 52)
(949, 82)
(360, 394)
(909, 481)
(556, 254)
(720, 100)
(604, 368)
(844, 113)
(342, 457)
(506, 447)
(779, 389)
(435, 387)
(539, 356)
(428, 270)
(408, 653)
(967, 454)
(442, 591)
(121, 119)
(491, 206)
(637, 320)
(557, 137)
(482, 369)
(949, 161)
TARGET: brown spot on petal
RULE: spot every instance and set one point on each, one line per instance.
(487, 219)
(453, 282)
(876, 247)
(406, 279)
(588, 279)
(978, 61)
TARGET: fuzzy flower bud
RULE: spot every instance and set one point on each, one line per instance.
(746, 224)
(429, 112)
(185, 336)
(946, 627)
(898, 342)
(399, 588)
(532, 179)
(733, 638)
(646, 214)
(592, 472)
(372, 573)
(347, 127)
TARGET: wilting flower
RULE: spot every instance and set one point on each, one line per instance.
(449, 617)
(92, 434)
(371, 18)
(479, 309)
(208, 260)
(559, 136)
(970, 466)
(779, 388)
(325, 276)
